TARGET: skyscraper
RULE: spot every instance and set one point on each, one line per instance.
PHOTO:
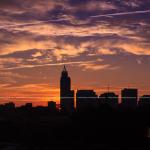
(66, 94)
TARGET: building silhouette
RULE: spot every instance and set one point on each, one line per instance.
(52, 106)
(66, 94)
(144, 101)
(9, 105)
(86, 99)
(109, 98)
(28, 106)
(129, 97)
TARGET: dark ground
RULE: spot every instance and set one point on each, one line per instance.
(103, 128)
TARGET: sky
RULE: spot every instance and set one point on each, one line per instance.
(102, 43)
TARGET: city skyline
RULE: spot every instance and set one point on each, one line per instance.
(102, 42)
(42, 100)
(75, 74)
(70, 98)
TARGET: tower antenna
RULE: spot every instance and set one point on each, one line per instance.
(65, 68)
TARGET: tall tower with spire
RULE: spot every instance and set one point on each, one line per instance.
(66, 94)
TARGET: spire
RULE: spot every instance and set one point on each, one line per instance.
(64, 71)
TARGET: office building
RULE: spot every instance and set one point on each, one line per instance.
(109, 98)
(129, 97)
(86, 99)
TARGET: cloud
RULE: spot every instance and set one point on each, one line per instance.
(47, 34)
(35, 93)
(22, 42)
(92, 66)
(35, 5)
(100, 5)
(104, 51)
(69, 18)
(8, 77)
(43, 65)
(37, 54)
(70, 50)
(122, 13)
(132, 3)
(10, 60)
(11, 75)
